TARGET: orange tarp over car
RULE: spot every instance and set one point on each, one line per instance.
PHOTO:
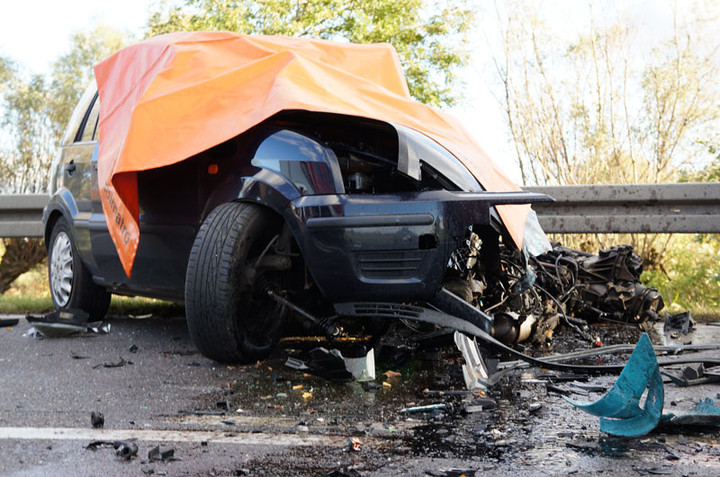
(170, 97)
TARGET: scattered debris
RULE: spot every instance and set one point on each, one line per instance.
(74, 355)
(680, 323)
(97, 419)
(99, 327)
(344, 471)
(122, 362)
(126, 450)
(140, 317)
(693, 375)
(474, 370)
(64, 322)
(60, 323)
(201, 413)
(535, 406)
(451, 472)
(133, 348)
(157, 454)
(429, 407)
(354, 444)
(326, 364)
(362, 365)
(704, 414)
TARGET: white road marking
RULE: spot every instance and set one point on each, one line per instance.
(79, 434)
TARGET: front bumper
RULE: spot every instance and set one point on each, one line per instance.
(388, 247)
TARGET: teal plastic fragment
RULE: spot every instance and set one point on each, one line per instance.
(619, 409)
(704, 414)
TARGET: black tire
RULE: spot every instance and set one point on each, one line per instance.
(230, 317)
(71, 284)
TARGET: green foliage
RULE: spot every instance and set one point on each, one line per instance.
(73, 71)
(430, 40)
(689, 278)
(6, 73)
(25, 168)
(710, 173)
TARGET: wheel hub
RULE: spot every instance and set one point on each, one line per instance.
(61, 269)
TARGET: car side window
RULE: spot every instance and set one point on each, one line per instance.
(88, 130)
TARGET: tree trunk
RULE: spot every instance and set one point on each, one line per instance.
(21, 255)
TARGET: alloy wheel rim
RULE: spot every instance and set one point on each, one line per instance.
(61, 269)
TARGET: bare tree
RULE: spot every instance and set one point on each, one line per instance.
(592, 110)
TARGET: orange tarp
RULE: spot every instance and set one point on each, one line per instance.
(170, 97)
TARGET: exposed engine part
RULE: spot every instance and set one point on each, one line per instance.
(599, 287)
(529, 299)
(324, 325)
(359, 182)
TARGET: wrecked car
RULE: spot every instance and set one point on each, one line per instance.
(272, 182)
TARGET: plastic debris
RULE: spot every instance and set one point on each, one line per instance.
(680, 323)
(474, 370)
(126, 450)
(326, 364)
(60, 323)
(8, 322)
(362, 366)
(97, 419)
(705, 414)
(157, 454)
(692, 375)
(391, 374)
(64, 322)
(140, 317)
(354, 444)
(119, 364)
(619, 410)
(429, 407)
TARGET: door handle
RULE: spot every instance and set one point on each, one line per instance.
(70, 167)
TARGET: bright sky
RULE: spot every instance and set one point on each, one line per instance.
(35, 32)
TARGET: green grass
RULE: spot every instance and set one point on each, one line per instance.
(120, 305)
(25, 304)
(30, 294)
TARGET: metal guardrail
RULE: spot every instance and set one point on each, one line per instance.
(644, 208)
(635, 208)
(21, 215)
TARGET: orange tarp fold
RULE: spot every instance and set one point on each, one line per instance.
(170, 97)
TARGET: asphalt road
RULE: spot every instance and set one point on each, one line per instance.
(154, 389)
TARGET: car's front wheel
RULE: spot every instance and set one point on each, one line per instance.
(71, 284)
(230, 316)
